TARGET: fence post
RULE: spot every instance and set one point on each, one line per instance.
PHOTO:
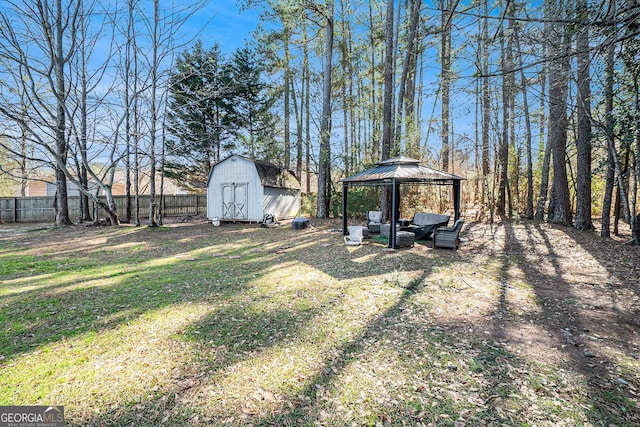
(197, 207)
(15, 209)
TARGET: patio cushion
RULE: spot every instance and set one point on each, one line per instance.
(374, 219)
(375, 216)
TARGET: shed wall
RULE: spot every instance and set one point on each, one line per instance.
(281, 203)
(235, 170)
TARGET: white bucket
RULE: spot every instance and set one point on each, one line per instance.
(215, 222)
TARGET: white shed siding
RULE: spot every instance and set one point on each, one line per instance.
(237, 176)
(281, 203)
(235, 170)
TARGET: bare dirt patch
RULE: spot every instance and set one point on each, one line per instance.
(587, 287)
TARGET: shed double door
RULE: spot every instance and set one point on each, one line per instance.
(234, 201)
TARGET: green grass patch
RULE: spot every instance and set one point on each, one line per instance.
(238, 325)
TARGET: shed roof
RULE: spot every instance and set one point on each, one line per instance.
(401, 169)
(275, 176)
(270, 175)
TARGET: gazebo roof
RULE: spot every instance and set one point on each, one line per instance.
(400, 169)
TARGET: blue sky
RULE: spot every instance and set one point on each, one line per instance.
(223, 22)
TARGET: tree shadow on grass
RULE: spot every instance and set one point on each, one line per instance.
(307, 410)
(73, 299)
(50, 313)
(69, 302)
(562, 318)
(245, 334)
(248, 327)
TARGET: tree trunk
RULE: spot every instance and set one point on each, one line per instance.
(154, 117)
(387, 109)
(287, 95)
(345, 60)
(546, 160)
(605, 230)
(324, 169)
(560, 205)
(127, 112)
(62, 208)
(299, 115)
(527, 118)
(373, 111)
(486, 98)
(406, 67)
(620, 190)
(503, 151)
(85, 214)
(445, 77)
(583, 143)
(307, 113)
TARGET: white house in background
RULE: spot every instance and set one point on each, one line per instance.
(240, 189)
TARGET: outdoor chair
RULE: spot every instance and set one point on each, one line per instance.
(355, 236)
(374, 219)
(448, 237)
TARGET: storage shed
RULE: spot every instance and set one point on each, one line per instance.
(240, 189)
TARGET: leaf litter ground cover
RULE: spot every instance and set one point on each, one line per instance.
(189, 324)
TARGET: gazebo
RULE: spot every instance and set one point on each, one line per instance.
(393, 172)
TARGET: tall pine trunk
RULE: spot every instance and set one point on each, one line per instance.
(486, 105)
(307, 113)
(583, 142)
(387, 109)
(546, 147)
(287, 97)
(445, 78)
(605, 230)
(324, 170)
(507, 89)
(560, 203)
(528, 137)
(406, 70)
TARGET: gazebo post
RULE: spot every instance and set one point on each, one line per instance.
(395, 203)
(345, 193)
(456, 199)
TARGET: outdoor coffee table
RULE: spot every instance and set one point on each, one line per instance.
(403, 236)
(386, 228)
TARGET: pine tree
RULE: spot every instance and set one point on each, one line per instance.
(254, 123)
(200, 112)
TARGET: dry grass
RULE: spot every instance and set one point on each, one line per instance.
(194, 325)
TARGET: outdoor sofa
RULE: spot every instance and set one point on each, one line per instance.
(423, 224)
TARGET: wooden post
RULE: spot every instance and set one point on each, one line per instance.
(15, 209)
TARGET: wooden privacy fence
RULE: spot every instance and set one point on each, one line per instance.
(40, 209)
